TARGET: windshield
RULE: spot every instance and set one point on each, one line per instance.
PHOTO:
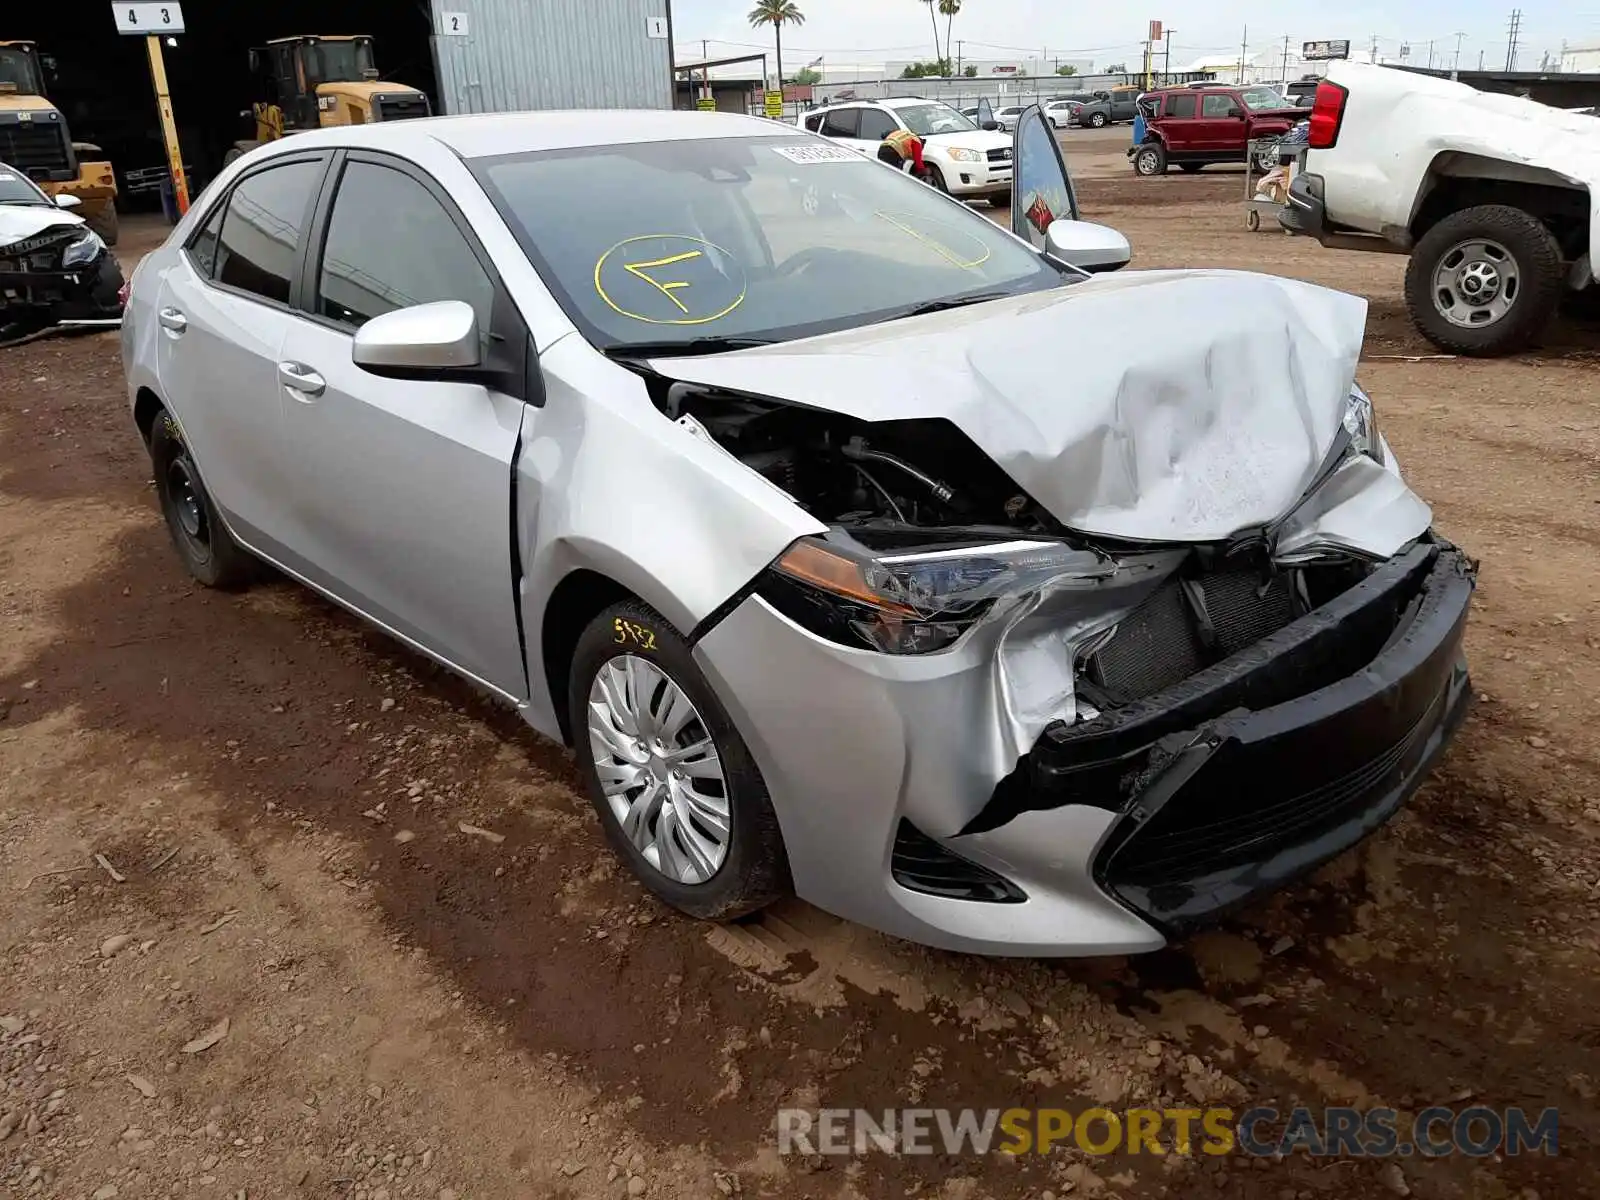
(18, 189)
(1263, 97)
(766, 238)
(17, 68)
(338, 62)
(925, 119)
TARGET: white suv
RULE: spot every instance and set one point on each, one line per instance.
(962, 159)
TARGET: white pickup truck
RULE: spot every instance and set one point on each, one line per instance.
(1495, 198)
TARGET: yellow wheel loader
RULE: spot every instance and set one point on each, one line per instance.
(34, 141)
(315, 82)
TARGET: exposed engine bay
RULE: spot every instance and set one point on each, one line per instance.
(920, 483)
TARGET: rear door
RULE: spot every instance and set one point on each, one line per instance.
(224, 313)
(403, 496)
(1178, 126)
(875, 125)
(843, 125)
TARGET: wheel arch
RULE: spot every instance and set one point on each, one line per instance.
(146, 404)
(582, 595)
(1457, 180)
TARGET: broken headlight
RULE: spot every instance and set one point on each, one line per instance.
(1361, 423)
(913, 601)
(85, 250)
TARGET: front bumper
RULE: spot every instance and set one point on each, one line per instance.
(83, 292)
(968, 179)
(892, 776)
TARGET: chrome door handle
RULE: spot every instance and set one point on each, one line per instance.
(173, 320)
(301, 378)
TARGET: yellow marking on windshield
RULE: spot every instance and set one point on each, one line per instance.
(941, 250)
(666, 289)
(669, 287)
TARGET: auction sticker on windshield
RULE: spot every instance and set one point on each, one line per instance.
(670, 279)
(806, 155)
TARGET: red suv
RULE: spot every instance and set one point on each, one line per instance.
(1193, 126)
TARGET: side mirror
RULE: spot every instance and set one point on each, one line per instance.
(421, 342)
(1087, 246)
(66, 200)
(990, 126)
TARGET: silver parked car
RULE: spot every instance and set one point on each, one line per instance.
(858, 546)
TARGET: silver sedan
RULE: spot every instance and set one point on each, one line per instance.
(858, 546)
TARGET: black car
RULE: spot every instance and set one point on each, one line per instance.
(53, 267)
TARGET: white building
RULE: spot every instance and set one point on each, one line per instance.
(1580, 58)
(1265, 66)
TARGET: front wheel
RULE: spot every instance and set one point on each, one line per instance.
(675, 787)
(936, 178)
(207, 549)
(1484, 281)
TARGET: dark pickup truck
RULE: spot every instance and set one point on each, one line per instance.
(1107, 108)
(1191, 127)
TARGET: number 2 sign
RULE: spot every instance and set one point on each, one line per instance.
(453, 24)
(146, 19)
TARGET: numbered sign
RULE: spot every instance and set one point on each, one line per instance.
(453, 24)
(148, 18)
(655, 27)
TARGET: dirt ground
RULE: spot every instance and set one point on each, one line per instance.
(246, 950)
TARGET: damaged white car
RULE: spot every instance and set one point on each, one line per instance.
(54, 269)
(859, 547)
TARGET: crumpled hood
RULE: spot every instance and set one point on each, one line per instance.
(1154, 405)
(18, 221)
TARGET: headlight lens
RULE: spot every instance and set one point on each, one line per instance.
(962, 154)
(85, 250)
(916, 601)
(1361, 423)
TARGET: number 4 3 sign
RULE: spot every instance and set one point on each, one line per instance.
(146, 19)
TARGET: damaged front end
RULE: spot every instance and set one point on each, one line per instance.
(1035, 740)
(62, 274)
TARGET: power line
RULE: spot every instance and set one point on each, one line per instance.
(1514, 29)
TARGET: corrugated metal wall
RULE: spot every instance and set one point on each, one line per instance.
(522, 54)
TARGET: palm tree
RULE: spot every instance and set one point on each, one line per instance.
(949, 9)
(776, 13)
(934, 21)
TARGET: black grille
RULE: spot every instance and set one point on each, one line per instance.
(1002, 155)
(39, 253)
(1230, 816)
(1187, 625)
(402, 108)
(921, 864)
(37, 148)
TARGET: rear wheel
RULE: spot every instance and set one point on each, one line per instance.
(674, 785)
(201, 540)
(1484, 281)
(1151, 159)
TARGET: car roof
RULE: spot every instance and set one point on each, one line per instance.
(488, 134)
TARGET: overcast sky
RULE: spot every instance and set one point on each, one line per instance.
(876, 30)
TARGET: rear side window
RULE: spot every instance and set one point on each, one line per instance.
(203, 246)
(843, 123)
(1181, 104)
(413, 254)
(263, 227)
(814, 123)
(876, 125)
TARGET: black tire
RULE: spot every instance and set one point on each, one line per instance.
(1541, 280)
(106, 224)
(936, 178)
(1099, 120)
(202, 541)
(1150, 159)
(1190, 168)
(755, 871)
(1000, 200)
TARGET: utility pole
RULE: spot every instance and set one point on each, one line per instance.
(1514, 28)
(1480, 60)
(1166, 62)
(1244, 49)
(1455, 63)
(960, 46)
(1372, 55)
(1430, 54)
(1285, 72)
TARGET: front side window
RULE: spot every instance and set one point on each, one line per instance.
(766, 238)
(413, 253)
(17, 68)
(876, 124)
(925, 120)
(1218, 106)
(262, 229)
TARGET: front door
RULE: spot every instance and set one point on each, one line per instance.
(1220, 129)
(1041, 189)
(224, 313)
(404, 496)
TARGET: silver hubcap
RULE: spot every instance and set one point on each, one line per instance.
(659, 769)
(1147, 162)
(1475, 283)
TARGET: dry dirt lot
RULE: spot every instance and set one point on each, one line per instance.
(246, 950)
